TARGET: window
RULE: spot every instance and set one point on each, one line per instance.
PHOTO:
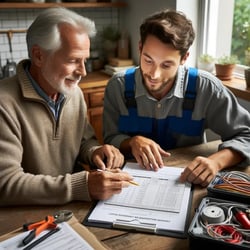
(225, 29)
(240, 44)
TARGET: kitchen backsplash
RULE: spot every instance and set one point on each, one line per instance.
(20, 19)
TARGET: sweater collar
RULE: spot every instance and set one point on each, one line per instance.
(25, 83)
(30, 88)
(40, 91)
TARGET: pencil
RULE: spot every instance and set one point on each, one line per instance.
(131, 182)
(134, 183)
(44, 237)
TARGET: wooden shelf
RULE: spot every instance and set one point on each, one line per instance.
(24, 5)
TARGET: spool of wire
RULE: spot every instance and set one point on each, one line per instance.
(234, 181)
(212, 215)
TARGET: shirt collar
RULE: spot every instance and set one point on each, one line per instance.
(180, 82)
(177, 90)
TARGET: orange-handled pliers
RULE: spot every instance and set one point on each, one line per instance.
(50, 221)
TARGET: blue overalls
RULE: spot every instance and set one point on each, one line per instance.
(162, 131)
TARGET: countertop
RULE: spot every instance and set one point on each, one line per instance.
(94, 79)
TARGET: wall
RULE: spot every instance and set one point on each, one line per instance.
(22, 18)
(190, 8)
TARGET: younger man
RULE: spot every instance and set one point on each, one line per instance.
(159, 107)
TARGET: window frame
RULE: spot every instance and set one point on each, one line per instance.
(216, 30)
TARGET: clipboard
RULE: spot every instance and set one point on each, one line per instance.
(83, 232)
(137, 223)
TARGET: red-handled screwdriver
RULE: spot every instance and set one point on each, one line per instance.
(241, 217)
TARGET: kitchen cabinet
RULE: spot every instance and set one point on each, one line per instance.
(29, 5)
(93, 87)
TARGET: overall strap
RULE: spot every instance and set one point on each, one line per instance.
(132, 123)
(190, 95)
(130, 88)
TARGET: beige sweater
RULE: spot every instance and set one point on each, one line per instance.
(37, 154)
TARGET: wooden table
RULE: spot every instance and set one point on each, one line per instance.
(13, 217)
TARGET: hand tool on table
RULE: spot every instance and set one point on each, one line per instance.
(41, 239)
(49, 222)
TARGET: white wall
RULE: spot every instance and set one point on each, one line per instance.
(190, 8)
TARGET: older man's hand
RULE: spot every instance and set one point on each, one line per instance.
(107, 157)
(104, 184)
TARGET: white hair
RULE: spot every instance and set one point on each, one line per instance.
(44, 31)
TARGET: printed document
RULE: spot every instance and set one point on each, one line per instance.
(66, 238)
(159, 203)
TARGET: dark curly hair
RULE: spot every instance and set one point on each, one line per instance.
(170, 27)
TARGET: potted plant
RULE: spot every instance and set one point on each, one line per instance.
(224, 67)
(110, 36)
(206, 62)
(247, 70)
